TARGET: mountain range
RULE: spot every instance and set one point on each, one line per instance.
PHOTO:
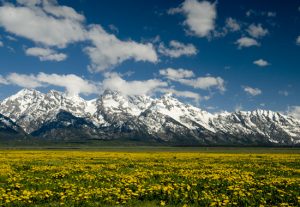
(113, 116)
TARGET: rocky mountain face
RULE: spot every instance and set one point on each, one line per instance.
(65, 126)
(56, 115)
(9, 129)
(30, 108)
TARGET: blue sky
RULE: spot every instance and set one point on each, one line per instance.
(219, 55)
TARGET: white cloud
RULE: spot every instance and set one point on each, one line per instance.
(257, 31)
(183, 76)
(109, 51)
(3, 80)
(48, 24)
(23, 80)
(45, 54)
(73, 84)
(232, 24)
(62, 11)
(175, 10)
(200, 16)
(252, 91)
(298, 40)
(114, 81)
(205, 83)
(175, 74)
(29, 2)
(246, 42)
(1, 44)
(35, 23)
(294, 111)
(261, 63)
(177, 49)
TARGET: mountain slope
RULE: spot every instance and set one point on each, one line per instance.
(30, 108)
(56, 115)
(169, 119)
(9, 130)
(265, 126)
(65, 126)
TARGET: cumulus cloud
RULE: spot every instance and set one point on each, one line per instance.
(200, 16)
(73, 84)
(62, 11)
(29, 2)
(1, 43)
(51, 25)
(175, 74)
(232, 24)
(114, 81)
(184, 77)
(252, 91)
(45, 54)
(257, 31)
(205, 83)
(246, 42)
(3, 80)
(52, 7)
(261, 63)
(36, 24)
(108, 51)
(23, 80)
(294, 111)
(177, 49)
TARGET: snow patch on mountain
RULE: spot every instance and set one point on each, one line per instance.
(163, 117)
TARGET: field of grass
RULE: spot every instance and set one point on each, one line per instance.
(150, 178)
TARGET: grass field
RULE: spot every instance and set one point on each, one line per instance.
(150, 177)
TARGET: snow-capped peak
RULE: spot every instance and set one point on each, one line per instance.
(25, 93)
(31, 108)
(186, 114)
(164, 117)
(115, 101)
